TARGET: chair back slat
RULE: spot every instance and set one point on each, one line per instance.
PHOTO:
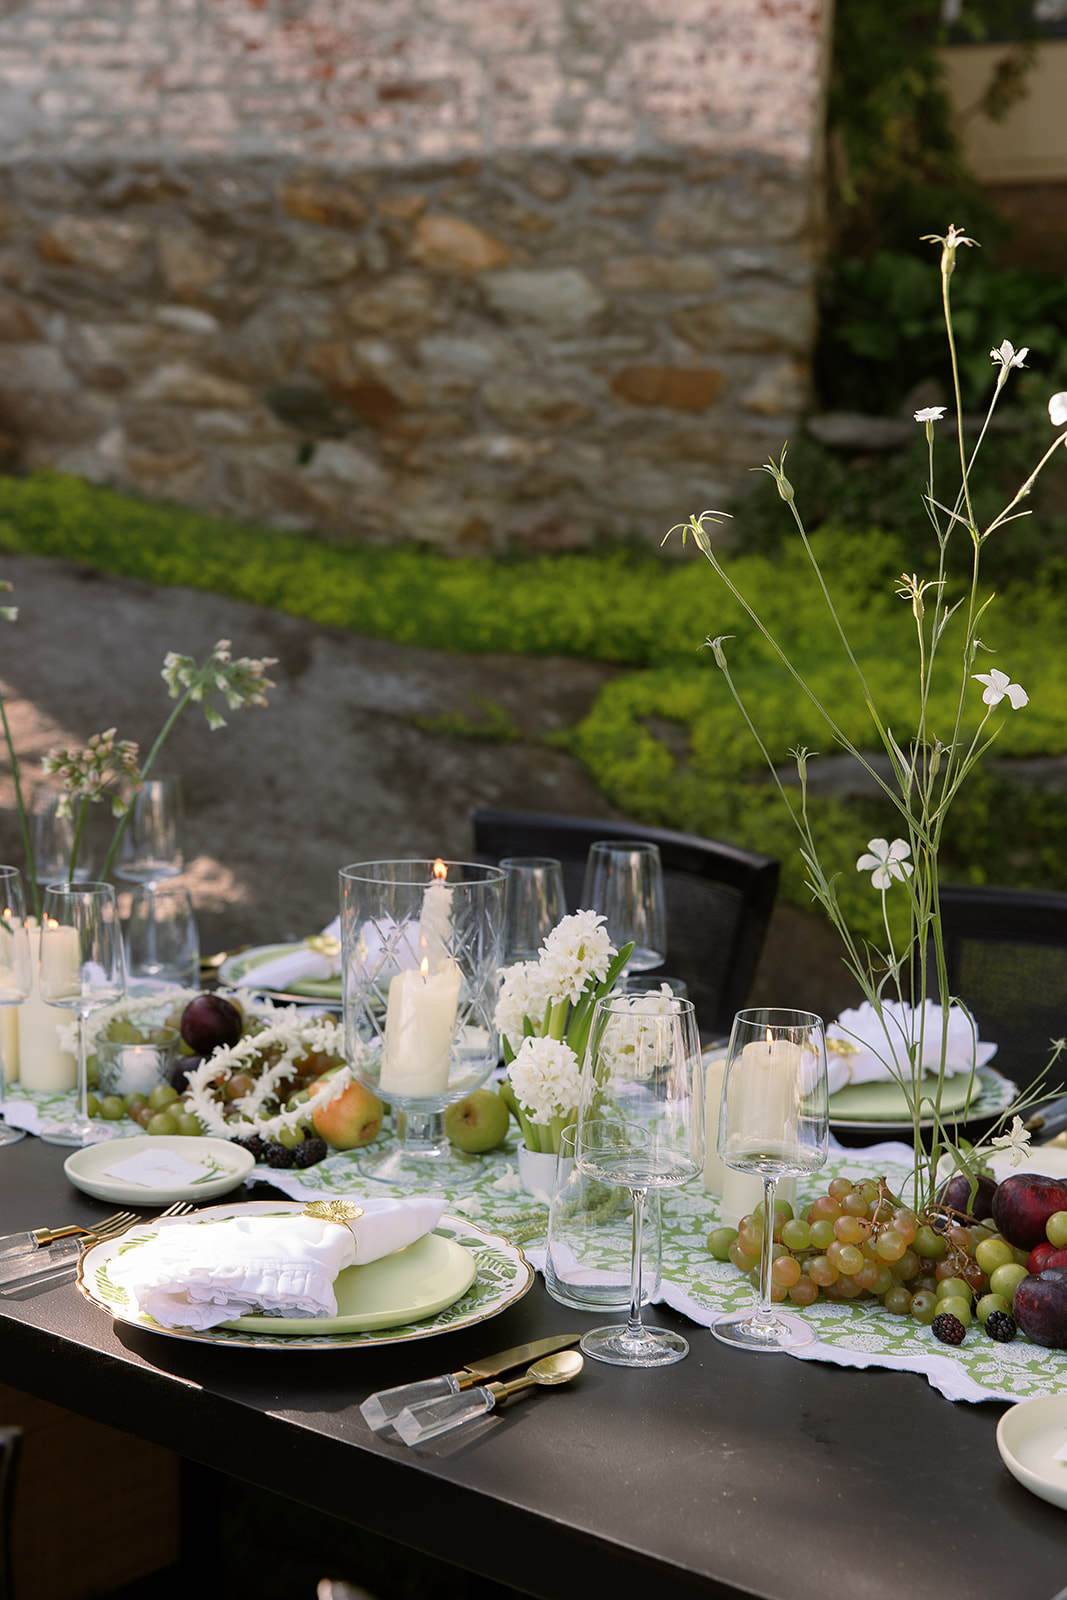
(1006, 952)
(719, 898)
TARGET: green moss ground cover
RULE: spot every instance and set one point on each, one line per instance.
(664, 741)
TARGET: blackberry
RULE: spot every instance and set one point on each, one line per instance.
(278, 1156)
(254, 1145)
(308, 1153)
(948, 1329)
(1001, 1327)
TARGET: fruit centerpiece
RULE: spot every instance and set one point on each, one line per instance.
(272, 1080)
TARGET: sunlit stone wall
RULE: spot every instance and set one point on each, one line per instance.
(489, 273)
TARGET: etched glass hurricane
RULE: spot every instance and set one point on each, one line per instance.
(422, 948)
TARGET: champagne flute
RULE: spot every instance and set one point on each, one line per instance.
(82, 967)
(624, 883)
(15, 973)
(774, 1122)
(641, 1125)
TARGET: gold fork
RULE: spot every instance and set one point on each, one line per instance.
(117, 1218)
(48, 1265)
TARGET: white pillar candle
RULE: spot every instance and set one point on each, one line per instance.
(43, 1065)
(420, 1022)
(742, 1193)
(714, 1171)
(435, 921)
(9, 1042)
(763, 1098)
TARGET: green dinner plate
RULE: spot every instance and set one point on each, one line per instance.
(886, 1102)
(417, 1282)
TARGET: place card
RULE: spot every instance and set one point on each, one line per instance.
(158, 1169)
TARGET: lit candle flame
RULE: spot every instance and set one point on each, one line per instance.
(770, 1039)
(424, 966)
(440, 870)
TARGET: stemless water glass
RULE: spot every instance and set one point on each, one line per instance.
(624, 883)
(151, 847)
(773, 1122)
(15, 974)
(640, 1125)
(82, 967)
(534, 903)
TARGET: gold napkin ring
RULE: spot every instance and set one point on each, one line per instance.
(343, 1212)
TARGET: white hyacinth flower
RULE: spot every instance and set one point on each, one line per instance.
(886, 861)
(999, 687)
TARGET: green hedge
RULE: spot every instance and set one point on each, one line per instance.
(652, 617)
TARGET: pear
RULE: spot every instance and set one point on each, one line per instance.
(478, 1123)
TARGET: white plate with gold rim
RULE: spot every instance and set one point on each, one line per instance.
(882, 1104)
(457, 1276)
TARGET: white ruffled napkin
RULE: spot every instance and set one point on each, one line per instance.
(198, 1274)
(308, 960)
(875, 1046)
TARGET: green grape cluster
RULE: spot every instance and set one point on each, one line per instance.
(858, 1241)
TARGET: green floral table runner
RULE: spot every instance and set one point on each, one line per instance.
(694, 1283)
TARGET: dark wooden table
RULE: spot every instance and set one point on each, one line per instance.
(727, 1474)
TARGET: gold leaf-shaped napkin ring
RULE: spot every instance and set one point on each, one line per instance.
(845, 1048)
(324, 944)
(343, 1212)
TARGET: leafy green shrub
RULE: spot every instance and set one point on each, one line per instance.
(664, 740)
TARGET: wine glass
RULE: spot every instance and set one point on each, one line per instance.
(534, 903)
(15, 973)
(162, 941)
(641, 1125)
(624, 883)
(82, 967)
(151, 845)
(773, 1122)
(53, 840)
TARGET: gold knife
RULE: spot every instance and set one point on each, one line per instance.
(379, 1409)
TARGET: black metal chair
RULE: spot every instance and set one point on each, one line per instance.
(1006, 952)
(719, 899)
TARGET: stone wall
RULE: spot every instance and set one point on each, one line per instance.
(486, 273)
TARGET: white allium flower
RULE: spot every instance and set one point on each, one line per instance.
(886, 861)
(546, 1079)
(1057, 409)
(1015, 1143)
(1007, 356)
(930, 414)
(577, 949)
(999, 687)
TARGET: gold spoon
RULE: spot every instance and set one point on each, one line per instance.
(416, 1424)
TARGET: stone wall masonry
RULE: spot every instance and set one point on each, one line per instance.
(485, 273)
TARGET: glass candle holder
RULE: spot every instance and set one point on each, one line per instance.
(422, 944)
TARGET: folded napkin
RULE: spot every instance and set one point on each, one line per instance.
(873, 1044)
(197, 1274)
(318, 957)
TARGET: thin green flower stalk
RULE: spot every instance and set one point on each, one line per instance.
(928, 767)
(241, 683)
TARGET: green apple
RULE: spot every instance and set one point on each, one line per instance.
(478, 1123)
(351, 1120)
